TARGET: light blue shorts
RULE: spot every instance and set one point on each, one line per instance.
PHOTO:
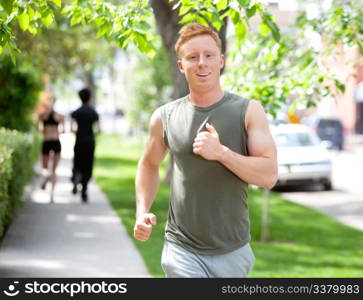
(178, 262)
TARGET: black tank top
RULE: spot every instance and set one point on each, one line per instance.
(50, 120)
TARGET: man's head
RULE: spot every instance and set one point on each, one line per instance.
(85, 95)
(200, 57)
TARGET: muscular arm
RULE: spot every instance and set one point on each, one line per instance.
(260, 167)
(147, 178)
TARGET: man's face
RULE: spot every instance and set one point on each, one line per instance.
(201, 61)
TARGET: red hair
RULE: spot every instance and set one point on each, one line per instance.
(192, 30)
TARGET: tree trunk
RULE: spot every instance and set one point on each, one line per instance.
(265, 233)
(90, 83)
(167, 23)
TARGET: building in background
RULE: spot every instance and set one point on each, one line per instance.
(343, 106)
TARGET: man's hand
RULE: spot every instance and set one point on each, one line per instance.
(143, 226)
(207, 144)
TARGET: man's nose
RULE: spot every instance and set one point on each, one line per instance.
(202, 60)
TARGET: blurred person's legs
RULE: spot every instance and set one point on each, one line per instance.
(45, 163)
(45, 171)
(82, 166)
(87, 167)
(50, 154)
(53, 176)
(76, 171)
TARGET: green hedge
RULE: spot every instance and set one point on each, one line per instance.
(20, 85)
(18, 153)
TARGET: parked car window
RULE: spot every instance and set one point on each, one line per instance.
(296, 139)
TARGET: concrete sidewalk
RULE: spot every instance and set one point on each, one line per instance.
(67, 238)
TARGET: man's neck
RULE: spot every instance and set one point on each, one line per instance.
(206, 98)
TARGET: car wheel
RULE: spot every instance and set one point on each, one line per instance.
(328, 186)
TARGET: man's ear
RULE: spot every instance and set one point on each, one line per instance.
(222, 61)
(180, 66)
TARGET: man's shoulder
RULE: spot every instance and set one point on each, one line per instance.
(235, 97)
(93, 110)
(175, 102)
(74, 112)
(169, 106)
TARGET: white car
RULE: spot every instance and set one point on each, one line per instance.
(302, 158)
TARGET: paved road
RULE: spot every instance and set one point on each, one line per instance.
(345, 202)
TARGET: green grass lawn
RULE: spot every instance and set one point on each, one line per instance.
(304, 243)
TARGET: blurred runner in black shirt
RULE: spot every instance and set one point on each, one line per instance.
(83, 120)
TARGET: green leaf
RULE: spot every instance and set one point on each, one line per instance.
(140, 42)
(273, 27)
(217, 25)
(57, 2)
(234, 16)
(66, 10)
(189, 18)
(151, 53)
(301, 20)
(23, 20)
(241, 30)
(117, 27)
(104, 29)
(360, 46)
(145, 26)
(222, 5)
(340, 86)
(76, 19)
(122, 41)
(244, 3)
(31, 13)
(184, 9)
(269, 57)
(12, 55)
(98, 22)
(7, 5)
(1, 49)
(33, 30)
(263, 29)
(250, 12)
(48, 19)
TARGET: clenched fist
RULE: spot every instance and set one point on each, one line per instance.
(143, 226)
(207, 144)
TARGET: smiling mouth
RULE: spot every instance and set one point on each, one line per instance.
(203, 74)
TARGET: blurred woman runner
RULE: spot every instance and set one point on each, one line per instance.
(48, 124)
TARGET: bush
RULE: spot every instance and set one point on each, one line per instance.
(5, 175)
(20, 85)
(18, 153)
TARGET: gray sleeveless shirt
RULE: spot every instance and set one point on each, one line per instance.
(208, 211)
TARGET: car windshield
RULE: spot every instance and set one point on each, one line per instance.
(296, 139)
